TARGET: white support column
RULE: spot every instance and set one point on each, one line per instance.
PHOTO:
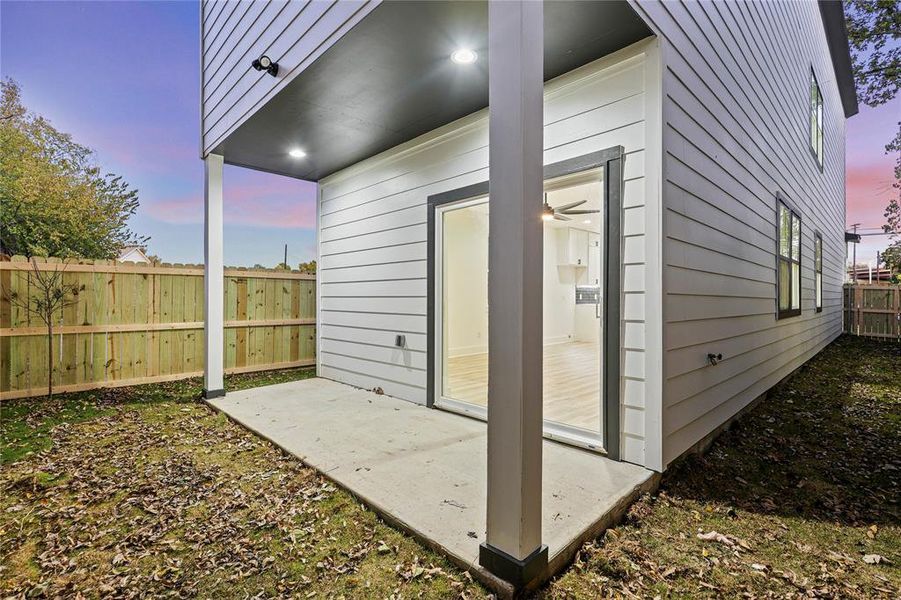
(213, 279)
(513, 550)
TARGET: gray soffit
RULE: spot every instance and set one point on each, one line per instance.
(390, 79)
(837, 36)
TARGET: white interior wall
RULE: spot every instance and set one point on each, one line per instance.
(466, 280)
(559, 292)
(466, 285)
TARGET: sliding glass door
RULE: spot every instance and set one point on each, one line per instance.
(573, 308)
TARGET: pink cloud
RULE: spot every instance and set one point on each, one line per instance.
(253, 206)
(141, 147)
(183, 210)
(257, 204)
(869, 171)
(868, 188)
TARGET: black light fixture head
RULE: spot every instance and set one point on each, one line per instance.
(264, 63)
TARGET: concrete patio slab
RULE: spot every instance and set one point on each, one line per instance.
(424, 469)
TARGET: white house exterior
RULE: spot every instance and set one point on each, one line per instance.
(691, 122)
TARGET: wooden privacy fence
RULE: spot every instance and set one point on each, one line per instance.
(873, 310)
(136, 324)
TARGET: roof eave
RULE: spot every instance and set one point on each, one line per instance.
(837, 37)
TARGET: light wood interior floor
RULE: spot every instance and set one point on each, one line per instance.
(572, 374)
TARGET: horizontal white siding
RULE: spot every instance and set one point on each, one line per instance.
(735, 131)
(372, 236)
(292, 33)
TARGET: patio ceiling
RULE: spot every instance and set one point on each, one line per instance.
(390, 79)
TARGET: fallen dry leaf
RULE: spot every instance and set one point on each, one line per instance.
(714, 536)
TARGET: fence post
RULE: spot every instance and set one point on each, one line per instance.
(897, 305)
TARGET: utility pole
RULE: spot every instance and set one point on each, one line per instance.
(286, 256)
(854, 260)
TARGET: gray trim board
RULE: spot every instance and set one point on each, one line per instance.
(611, 161)
(613, 225)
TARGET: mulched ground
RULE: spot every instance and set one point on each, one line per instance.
(144, 492)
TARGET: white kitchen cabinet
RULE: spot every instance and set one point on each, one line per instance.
(572, 247)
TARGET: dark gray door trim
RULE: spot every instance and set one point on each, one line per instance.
(611, 161)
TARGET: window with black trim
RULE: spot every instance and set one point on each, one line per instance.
(818, 270)
(816, 119)
(788, 280)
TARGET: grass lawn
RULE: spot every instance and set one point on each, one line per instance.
(145, 491)
(802, 491)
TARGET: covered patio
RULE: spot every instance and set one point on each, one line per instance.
(495, 496)
(424, 470)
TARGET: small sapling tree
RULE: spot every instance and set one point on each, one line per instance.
(49, 295)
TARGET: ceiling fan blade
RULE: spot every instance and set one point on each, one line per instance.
(559, 217)
(566, 207)
(579, 212)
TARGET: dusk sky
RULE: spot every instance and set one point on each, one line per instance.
(122, 78)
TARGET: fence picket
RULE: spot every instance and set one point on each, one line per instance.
(137, 324)
(873, 310)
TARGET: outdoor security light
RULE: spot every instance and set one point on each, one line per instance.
(297, 153)
(264, 63)
(464, 56)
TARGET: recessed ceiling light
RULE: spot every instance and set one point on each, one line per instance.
(297, 153)
(464, 56)
(587, 221)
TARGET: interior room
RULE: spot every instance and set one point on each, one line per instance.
(573, 275)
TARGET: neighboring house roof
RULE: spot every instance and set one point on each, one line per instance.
(837, 37)
(133, 254)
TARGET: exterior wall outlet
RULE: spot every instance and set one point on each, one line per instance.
(400, 341)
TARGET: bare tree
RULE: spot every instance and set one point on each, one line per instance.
(51, 295)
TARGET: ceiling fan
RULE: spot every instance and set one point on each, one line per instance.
(560, 212)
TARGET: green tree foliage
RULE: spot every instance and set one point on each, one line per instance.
(874, 28)
(54, 201)
(308, 267)
(892, 255)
